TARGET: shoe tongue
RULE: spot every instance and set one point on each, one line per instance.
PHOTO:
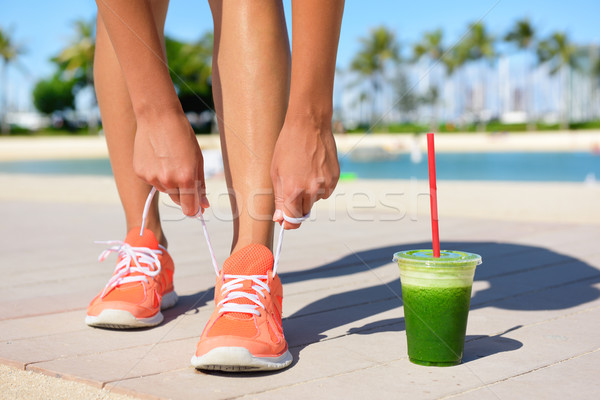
(254, 259)
(146, 240)
(135, 240)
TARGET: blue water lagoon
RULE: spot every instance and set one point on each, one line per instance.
(514, 166)
(517, 166)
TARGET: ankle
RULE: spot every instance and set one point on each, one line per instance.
(156, 230)
(241, 242)
(162, 239)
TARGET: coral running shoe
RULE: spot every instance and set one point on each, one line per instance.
(244, 332)
(140, 287)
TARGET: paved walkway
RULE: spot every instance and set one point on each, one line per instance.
(532, 333)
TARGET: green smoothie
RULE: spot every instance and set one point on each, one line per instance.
(436, 293)
(436, 323)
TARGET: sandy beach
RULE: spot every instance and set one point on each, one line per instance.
(64, 147)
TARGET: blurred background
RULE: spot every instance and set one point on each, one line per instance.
(468, 65)
(512, 86)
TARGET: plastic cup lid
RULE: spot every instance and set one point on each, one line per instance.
(447, 258)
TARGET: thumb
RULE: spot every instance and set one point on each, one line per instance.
(278, 194)
(201, 186)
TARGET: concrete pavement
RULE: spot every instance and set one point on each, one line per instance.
(532, 333)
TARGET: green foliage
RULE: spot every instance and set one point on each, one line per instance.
(431, 97)
(522, 34)
(9, 54)
(500, 127)
(430, 45)
(9, 51)
(585, 125)
(407, 100)
(492, 127)
(407, 128)
(478, 44)
(375, 50)
(454, 58)
(50, 131)
(53, 95)
(76, 61)
(190, 66)
(558, 52)
(596, 71)
(360, 128)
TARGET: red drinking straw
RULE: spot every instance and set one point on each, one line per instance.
(435, 232)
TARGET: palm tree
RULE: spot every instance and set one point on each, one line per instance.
(190, 65)
(596, 85)
(76, 61)
(596, 71)
(432, 48)
(376, 50)
(359, 101)
(453, 60)
(479, 46)
(522, 35)
(560, 54)
(9, 53)
(408, 100)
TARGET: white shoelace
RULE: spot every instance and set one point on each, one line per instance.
(230, 289)
(132, 259)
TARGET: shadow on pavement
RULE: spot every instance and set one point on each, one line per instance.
(550, 280)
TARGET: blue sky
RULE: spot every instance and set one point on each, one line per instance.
(44, 27)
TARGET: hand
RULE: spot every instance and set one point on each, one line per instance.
(167, 156)
(304, 169)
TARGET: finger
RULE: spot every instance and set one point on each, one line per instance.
(326, 188)
(289, 226)
(311, 196)
(204, 203)
(293, 207)
(278, 196)
(308, 199)
(189, 199)
(278, 216)
(156, 183)
(327, 192)
(175, 198)
(174, 195)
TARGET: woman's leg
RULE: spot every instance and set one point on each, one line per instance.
(251, 74)
(119, 126)
(251, 78)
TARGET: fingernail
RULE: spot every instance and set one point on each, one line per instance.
(205, 202)
(277, 216)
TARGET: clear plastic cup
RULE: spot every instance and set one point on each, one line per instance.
(436, 293)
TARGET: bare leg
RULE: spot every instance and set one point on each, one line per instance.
(119, 126)
(251, 78)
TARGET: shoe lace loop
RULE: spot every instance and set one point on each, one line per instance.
(277, 249)
(131, 259)
(231, 291)
(233, 283)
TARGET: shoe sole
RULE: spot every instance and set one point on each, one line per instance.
(239, 359)
(121, 319)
